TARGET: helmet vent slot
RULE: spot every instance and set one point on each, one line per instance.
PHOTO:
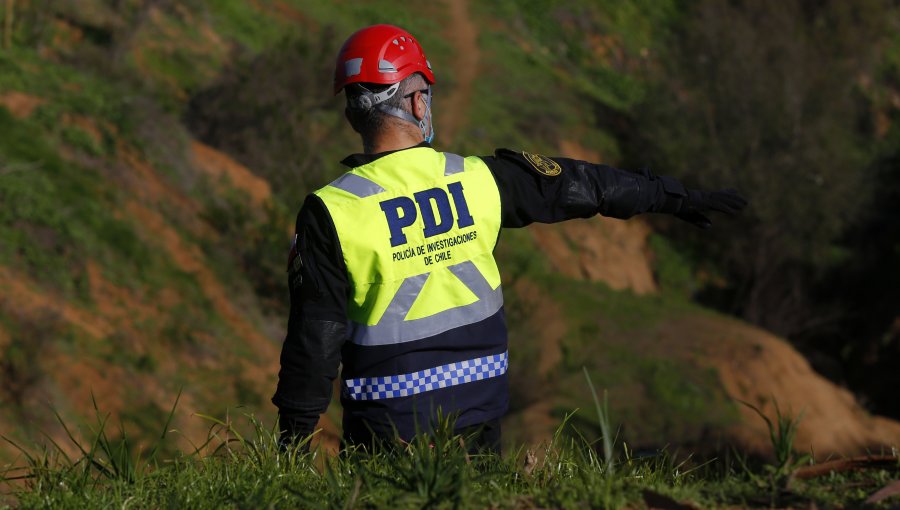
(386, 67)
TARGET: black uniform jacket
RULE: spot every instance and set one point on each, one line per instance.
(532, 189)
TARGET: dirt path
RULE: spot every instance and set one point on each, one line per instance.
(463, 33)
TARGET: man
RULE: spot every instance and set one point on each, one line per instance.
(392, 273)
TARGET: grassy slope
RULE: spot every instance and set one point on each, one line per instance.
(173, 71)
(75, 167)
(114, 235)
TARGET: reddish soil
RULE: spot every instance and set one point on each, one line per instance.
(148, 187)
(111, 324)
(219, 166)
(284, 10)
(187, 256)
(19, 104)
(573, 149)
(762, 369)
(70, 375)
(463, 34)
(546, 320)
(328, 439)
(125, 309)
(190, 259)
(600, 249)
(86, 124)
(753, 366)
(30, 298)
(66, 36)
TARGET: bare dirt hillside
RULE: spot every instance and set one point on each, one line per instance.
(600, 250)
(753, 365)
(762, 369)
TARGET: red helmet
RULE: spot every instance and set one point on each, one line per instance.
(382, 54)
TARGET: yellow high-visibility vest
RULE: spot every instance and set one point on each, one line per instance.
(417, 229)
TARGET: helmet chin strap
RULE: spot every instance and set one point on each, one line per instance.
(425, 124)
(430, 133)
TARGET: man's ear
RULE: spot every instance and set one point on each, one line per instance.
(419, 106)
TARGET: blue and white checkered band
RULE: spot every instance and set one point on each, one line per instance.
(444, 376)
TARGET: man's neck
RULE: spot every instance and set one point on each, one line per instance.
(393, 141)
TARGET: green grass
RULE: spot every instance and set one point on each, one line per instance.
(57, 217)
(231, 469)
(248, 25)
(674, 270)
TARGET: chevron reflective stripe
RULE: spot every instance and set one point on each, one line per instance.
(359, 186)
(444, 376)
(469, 274)
(453, 163)
(393, 328)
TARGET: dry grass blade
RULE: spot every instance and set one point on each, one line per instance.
(891, 489)
(851, 464)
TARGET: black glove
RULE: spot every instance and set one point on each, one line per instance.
(294, 429)
(697, 204)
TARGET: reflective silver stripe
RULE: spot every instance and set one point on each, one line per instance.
(404, 298)
(453, 164)
(393, 329)
(352, 67)
(359, 186)
(386, 67)
(468, 273)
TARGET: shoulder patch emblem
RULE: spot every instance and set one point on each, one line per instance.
(543, 164)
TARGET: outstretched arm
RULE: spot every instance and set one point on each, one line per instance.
(539, 189)
(316, 329)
